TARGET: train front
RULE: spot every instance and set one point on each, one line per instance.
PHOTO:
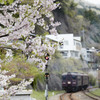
(69, 82)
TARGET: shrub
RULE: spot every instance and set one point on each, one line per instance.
(92, 80)
(21, 68)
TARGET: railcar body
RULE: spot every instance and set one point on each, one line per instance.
(73, 81)
(85, 81)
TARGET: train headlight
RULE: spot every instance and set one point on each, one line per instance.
(69, 82)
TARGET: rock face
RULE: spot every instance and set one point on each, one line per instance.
(65, 26)
(54, 83)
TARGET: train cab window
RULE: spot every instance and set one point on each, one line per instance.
(69, 77)
(64, 77)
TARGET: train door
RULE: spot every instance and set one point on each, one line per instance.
(74, 80)
(69, 80)
(64, 82)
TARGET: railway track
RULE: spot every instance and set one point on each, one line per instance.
(74, 96)
(91, 95)
(66, 96)
(61, 97)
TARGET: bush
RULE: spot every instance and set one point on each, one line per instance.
(21, 68)
(92, 80)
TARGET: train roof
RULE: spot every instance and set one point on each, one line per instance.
(71, 73)
(74, 73)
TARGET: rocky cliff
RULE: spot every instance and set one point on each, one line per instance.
(72, 18)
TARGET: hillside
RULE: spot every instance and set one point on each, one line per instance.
(72, 18)
(84, 4)
(70, 21)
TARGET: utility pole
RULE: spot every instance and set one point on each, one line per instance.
(46, 91)
(46, 77)
(83, 36)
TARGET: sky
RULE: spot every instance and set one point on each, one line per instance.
(94, 1)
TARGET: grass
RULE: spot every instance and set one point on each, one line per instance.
(40, 95)
(96, 92)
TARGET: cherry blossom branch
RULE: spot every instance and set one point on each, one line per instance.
(19, 28)
(4, 35)
(14, 49)
(12, 31)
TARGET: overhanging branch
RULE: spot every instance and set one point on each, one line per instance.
(5, 35)
(4, 47)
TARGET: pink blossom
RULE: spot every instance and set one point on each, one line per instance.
(15, 28)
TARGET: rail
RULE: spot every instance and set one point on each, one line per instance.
(61, 96)
(91, 95)
(88, 93)
(69, 95)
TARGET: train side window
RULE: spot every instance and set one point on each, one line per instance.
(79, 77)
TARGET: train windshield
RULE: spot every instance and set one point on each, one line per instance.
(64, 77)
(74, 77)
(69, 77)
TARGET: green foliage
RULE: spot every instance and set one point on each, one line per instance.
(27, 2)
(92, 80)
(80, 11)
(59, 65)
(98, 54)
(16, 15)
(68, 7)
(6, 1)
(39, 30)
(46, 33)
(91, 16)
(96, 92)
(96, 38)
(39, 78)
(73, 5)
(21, 68)
(15, 80)
(2, 53)
(57, 55)
(74, 65)
(17, 52)
(10, 1)
(39, 95)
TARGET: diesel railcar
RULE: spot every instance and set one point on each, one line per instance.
(73, 81)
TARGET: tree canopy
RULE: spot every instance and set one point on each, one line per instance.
(91, 16)
(18, 21)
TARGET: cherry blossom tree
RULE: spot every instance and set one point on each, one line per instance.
(5, 82)
(18, 22)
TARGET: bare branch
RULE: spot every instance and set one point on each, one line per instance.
(4, 35)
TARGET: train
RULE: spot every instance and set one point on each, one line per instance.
(73, 81)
